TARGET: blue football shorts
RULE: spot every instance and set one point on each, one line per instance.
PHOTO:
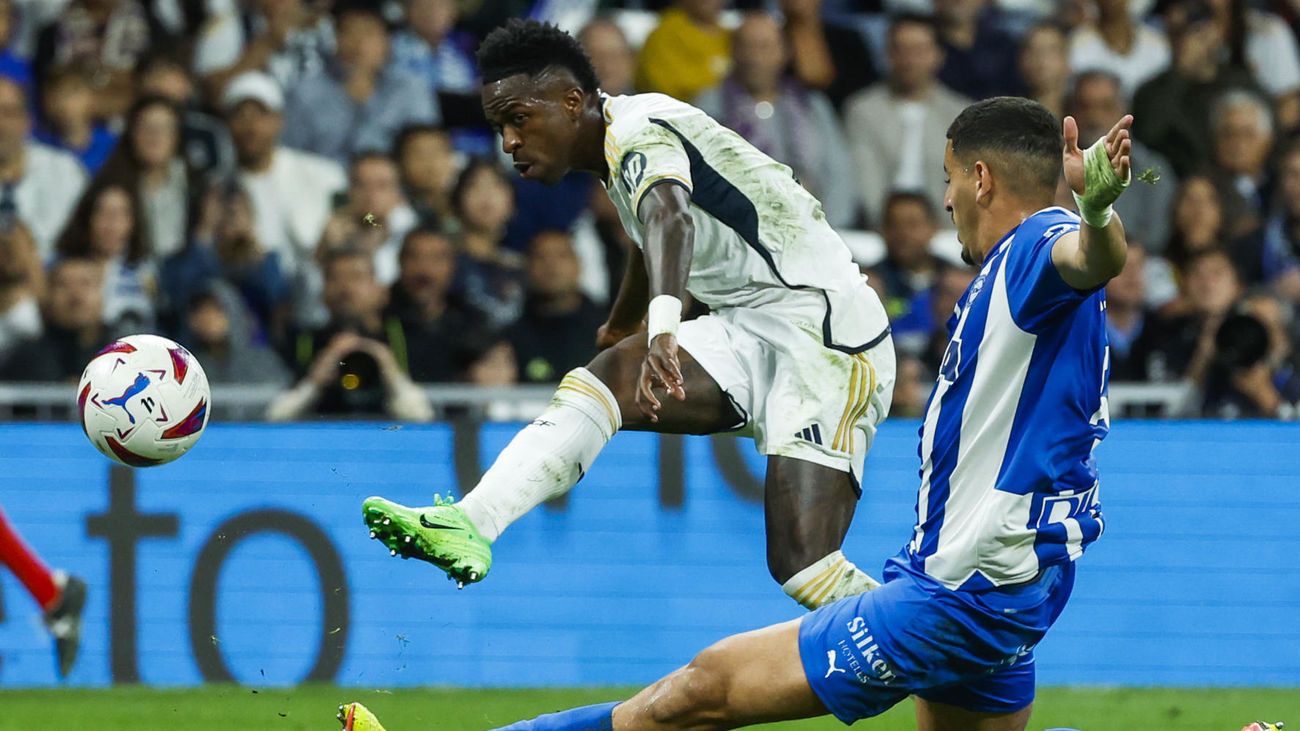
(971, 649)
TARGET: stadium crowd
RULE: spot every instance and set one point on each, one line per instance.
(305, 194)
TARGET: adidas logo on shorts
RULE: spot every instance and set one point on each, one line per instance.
(811, 433)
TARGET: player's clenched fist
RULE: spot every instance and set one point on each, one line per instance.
(663, 369)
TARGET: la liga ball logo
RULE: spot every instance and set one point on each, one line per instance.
(143, 400)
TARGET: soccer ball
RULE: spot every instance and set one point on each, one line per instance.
(143, 400)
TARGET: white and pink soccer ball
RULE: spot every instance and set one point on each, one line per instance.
(143, 400)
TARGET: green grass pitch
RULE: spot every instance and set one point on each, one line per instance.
(223, 708)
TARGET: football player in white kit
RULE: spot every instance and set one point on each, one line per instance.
(795, 351)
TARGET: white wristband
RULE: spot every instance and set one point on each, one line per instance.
(663, 316)
(1095, 217)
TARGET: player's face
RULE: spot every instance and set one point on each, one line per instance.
(538, 119)
(959, 201)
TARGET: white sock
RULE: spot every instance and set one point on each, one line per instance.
(548, 457)
(829, 578)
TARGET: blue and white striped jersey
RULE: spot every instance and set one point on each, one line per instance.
(1008, 479)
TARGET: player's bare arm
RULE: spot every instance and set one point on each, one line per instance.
(1097, 176)
(629, 307)
(669, 242)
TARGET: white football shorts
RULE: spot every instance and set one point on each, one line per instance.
(799, 398)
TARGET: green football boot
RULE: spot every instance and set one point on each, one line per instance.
(441, 534)
(356, 717)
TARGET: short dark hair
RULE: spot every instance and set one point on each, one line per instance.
(909, 196)
(531, 47)
(925, 21)
(1016, 132)
(369, 155)
(342, 253)
(410, 132)
(467, 173)
(420, 232)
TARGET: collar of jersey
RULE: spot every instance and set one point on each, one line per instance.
(610, 147)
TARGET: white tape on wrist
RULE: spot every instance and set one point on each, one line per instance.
(1095, 217)
(663, 316)
(1102, 185)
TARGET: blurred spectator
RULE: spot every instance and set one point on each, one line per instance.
(219, 334)
(1271, 253)
(950, 285)
(1197, 220)
(362, 99)
(557, 331)
(1253, 374)
(1181, 346)
(1118, 44)
(150, 162)
(288, 39)
(22, 283)
(106, 228)
(104, 39)
(1268, 49)
(427, 162)
(67, 103)
(495, 368)
(688, 52)
(1126, 317)
(1243, 138)
(1043, 66)
(225, 247)
(825, 56)
(896, 128)
(1171, 112)
(908, 270)
(349, 368)
(12, 65)
(979, 55)
(441, 331)
(785, 119)
(490, 277)
(375, 217)
(911, 389)
(205, 141)
(73, 329)
(1096, 102)
(432, 50)
(292, 191)
(611, 55)
(38, 184)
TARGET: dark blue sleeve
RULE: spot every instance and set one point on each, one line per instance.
(1035, 291)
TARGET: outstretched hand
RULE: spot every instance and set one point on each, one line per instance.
(1117, 142)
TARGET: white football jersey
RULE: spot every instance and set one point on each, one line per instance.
(761, 239)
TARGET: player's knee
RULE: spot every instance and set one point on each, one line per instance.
(695, 696)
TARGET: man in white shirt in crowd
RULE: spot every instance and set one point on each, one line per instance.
(896, 127)
(292, 191)
(38, 184)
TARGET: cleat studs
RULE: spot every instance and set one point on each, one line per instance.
(408, 539)
(392, 552)
(473, 576)
(373, 534)
(460, 585)
(387, 521)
